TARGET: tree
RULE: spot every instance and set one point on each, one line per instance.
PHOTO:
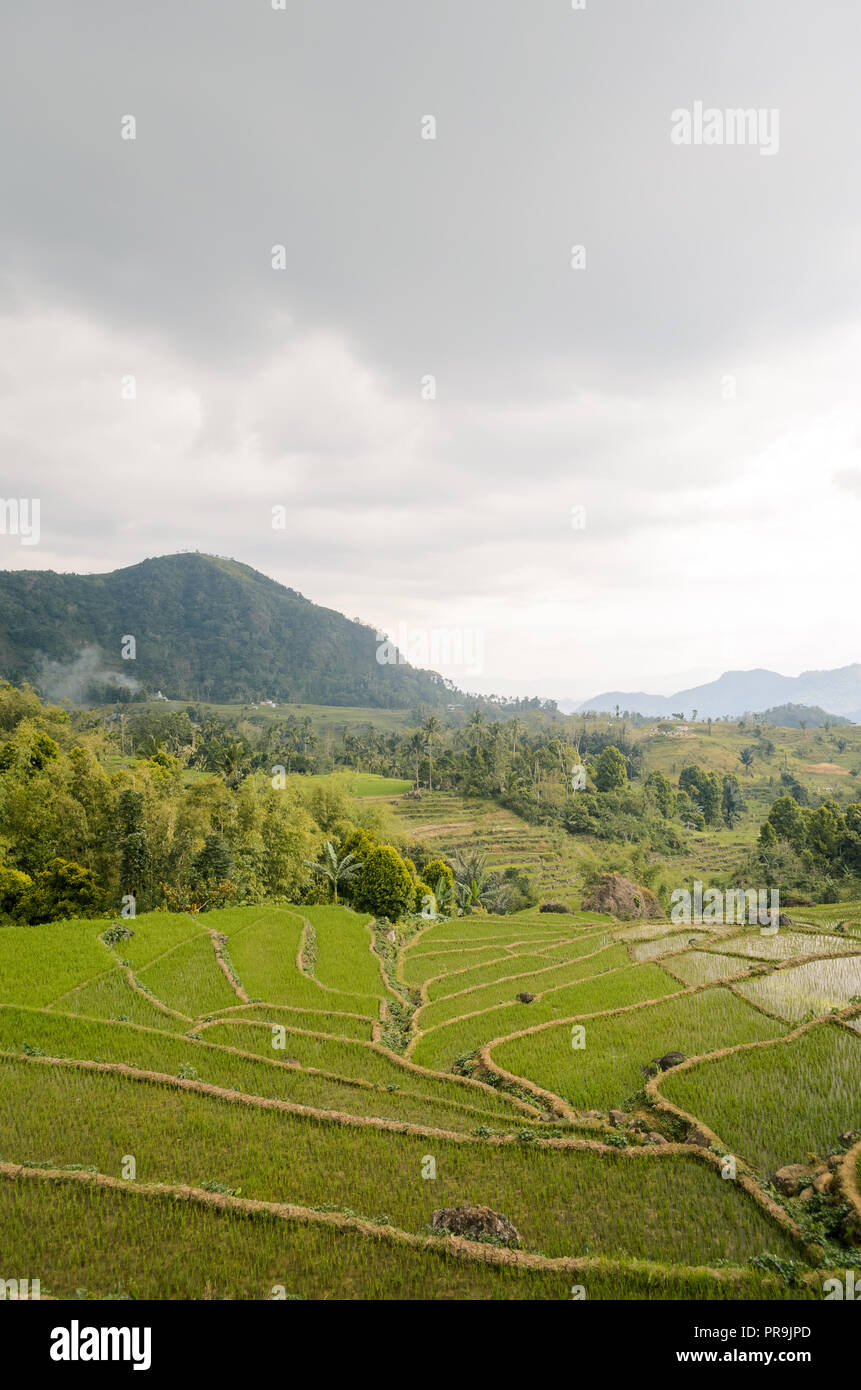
(611, 773)
(470, 877)
(437, 869)
(732, 801)
(13, 886)
(336, 870)
(786, 817)
(62, 889)
(136, 858)
(746, 757)
(660, 789)
(430, 729)
(214, 863)
(385, 885)
(709, 796)
(415, 747)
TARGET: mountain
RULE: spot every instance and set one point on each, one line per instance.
(205, 628)
(736, 693)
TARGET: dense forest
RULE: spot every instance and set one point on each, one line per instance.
(203, 628)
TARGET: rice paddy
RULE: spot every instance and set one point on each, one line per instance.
(273, 1053)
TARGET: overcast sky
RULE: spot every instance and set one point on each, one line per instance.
(695, 386)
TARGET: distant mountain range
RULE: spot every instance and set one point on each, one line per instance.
(737, 693)
(204, 628)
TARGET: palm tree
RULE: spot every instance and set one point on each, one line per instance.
(334, 869)
(415, 747)
(430, 729)
(746, 756)
(515, 726)
(476, 724)
(470, 877)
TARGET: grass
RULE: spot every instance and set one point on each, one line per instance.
(413, 1098)
(264, 951)
(550, 982)
(150, 1247)
(189, 979)
(775, 1105)
(344, 959)
(665, 1208)
(608, 1069)
(39, 963)
(440, 1047)
(111, 996)
(817, 986)
(344, 1025)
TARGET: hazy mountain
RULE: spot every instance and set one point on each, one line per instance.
(735, 693)
(204, 628)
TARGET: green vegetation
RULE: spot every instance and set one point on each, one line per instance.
(330, 914)
(776, 1105)
(609, 1068)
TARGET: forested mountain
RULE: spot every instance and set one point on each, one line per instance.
(204, 628)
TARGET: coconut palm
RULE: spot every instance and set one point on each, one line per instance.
(430, 729)
(334, 869)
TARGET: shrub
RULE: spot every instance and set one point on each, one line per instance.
(385, 886)
(62, 889)
(554, 907)
(13, 886)
(437, 869)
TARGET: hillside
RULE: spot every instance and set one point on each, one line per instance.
(205, 628)
(740, 692)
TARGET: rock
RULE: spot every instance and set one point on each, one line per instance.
(823, 1182)
(617, 1118)
(850, 1137)
(670, 1059)
(655, 1138)
(477, 1222)
(619, 897)
(784, 919)
(806, 1194)
(698, 1136)
(793, 1176)
(650, 1069)
(592, 1115)
(524, 997)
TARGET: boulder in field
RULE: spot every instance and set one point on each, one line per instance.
(476, 1222)
(792, 1177)
(524, 997)
(670, 1059)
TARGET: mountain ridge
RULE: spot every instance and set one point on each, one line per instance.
(736, 693)
(204, 627)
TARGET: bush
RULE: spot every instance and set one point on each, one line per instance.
(385, 886)
(423, 891)
(62, 889)
(13, 886)
(554, 907)
(437, 869)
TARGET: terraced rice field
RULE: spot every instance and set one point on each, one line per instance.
(313, 1094)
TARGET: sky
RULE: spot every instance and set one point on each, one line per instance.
(629, 466)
